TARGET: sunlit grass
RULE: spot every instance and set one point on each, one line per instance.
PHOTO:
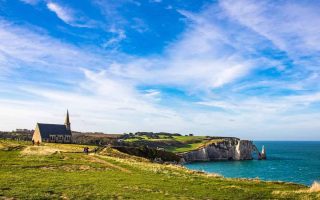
(70, 174)
(185, 148)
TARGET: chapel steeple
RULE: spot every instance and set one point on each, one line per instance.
(67, 121)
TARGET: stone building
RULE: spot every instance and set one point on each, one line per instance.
(58, 133)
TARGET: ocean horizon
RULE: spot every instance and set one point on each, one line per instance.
(289, 161)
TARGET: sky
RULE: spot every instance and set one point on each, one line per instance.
(245, 68)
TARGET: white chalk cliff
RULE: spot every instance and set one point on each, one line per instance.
(229, 149)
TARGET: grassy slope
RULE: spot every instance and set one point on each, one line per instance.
(27, 174)
(186, 143)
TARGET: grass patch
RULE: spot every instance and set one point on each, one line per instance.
(175, 144)
(188, 139)
(185, 148)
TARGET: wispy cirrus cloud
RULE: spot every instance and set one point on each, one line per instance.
(118, 36)
(192, 62)
(118, 25)
(69, 16)
(40, 52)
(155, 1)
(31, 2)
(276, 105)
(291, 26)
(64, 14)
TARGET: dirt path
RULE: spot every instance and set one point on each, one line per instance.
(96, 159)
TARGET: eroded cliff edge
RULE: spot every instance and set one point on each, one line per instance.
(228, 149)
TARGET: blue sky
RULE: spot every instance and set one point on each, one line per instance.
(243, 68)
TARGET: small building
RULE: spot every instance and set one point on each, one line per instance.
(58, 133)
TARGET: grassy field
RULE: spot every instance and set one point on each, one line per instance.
(191, 143)
(60, 171)
(175, 144)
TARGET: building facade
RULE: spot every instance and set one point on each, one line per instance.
(58, 133)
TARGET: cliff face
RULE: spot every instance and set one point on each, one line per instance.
(229, 149)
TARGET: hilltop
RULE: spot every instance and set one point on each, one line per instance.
(172, 142)
(62, 171)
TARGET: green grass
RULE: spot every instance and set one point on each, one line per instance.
(183, 143)
(176, 144)
(190, 143)
(185, 148)
(69, 174)
(188, 138)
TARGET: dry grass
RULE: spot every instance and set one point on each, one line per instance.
(4, 145)
(68, 147)
(51, 148)
(315, 187)
(6, 198)
(39, 150)
(108, 151)
(213, 175)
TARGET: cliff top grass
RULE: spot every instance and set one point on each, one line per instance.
(175, 144)
(67, 173)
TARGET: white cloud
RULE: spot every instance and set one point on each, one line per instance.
(291, 26)
(155, 1)
(278, 118)
(198, 61)
(265, 105)
(38, 51)
(113, 42)
(139, 25)
(63, 13)
(70, 16)
(32, 2)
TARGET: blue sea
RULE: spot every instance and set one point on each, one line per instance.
(297, 162)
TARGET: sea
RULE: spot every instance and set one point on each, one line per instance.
(289, 161)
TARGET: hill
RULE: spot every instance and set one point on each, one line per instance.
(62, 171)
(172, 142)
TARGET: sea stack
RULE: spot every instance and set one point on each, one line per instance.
(263, 153)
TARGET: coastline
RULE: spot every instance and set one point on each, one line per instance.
(291, 161)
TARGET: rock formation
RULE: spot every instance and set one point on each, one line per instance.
(263, 153)
(228, 149)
